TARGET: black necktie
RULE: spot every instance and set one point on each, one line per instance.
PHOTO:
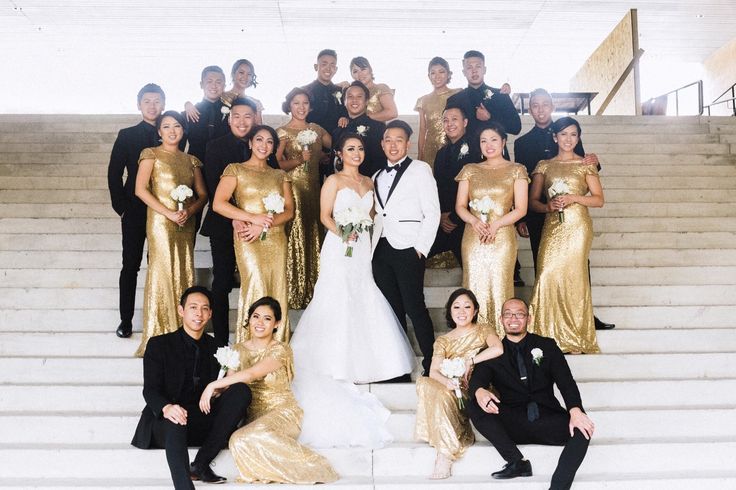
(549, 144)
(532, 409)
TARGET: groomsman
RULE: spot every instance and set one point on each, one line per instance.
(356, 101)
(212, 122)
(132, 211)
(327, 106)
(450, 159)
(407, 216)
(176, 369)
(526, 410)
(221, 152)
(538, 144)
(484, 103)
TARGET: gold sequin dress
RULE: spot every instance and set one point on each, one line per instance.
(439, 420)
(170, 248)
(373, 105)
(304, 234)
(433, 105)
(488, 269)
(266, 449)
(261, 263)
(561, 302)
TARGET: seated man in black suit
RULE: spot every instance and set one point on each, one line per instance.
(526, 410)
(176, 368)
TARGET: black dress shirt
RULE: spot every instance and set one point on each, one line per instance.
(447, 164)
(326, 108)
(212, 124)
(539, 144)
(124, 156)
(194, 359)
(375, 159)
(499, 105)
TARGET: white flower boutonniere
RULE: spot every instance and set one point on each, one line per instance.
(225, 110)
(464, 149)
(338, 97)
(489, 94)
(362, 130)
(537, 356)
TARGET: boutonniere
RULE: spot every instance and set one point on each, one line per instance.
(362, 130)
(537, 356)
(338, 97)
(464, 149)
(225, 110)
(489, 94)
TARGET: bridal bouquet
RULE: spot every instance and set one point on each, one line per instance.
(455, 369)
(350, 221)
(274, 203)
(559, 188)
(228, 359)
(305, 138)
(484, 207)
(180, 194)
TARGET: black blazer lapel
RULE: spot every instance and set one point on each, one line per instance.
(375, 186)
(404, 165)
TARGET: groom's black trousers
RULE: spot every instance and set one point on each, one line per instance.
(511, 427)
(399, 274)
(210, 431)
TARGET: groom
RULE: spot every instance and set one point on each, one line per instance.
(407, 217)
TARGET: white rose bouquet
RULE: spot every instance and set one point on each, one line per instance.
(228, 359)
(305, 138)
(559, 187)
(180, 194)
(455, 369)
(274, 203)
(484, 207)
(351, 221)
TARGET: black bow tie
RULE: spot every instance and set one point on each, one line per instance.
(391, 168)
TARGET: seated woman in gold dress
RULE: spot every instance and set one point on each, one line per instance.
(169, 231)
(266, 450)
(430, 108)
(491, 198)
(381, 104)
(301, 162)
(261, 258)
(561, 306)
(440, 421)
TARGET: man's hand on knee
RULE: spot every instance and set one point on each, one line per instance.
(486, 400)
(579, 420)
(175, 414)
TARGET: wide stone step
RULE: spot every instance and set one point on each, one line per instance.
(597, 396)
(609, 159)
(628, 426)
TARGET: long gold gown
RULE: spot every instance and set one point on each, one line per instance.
(373, 104)
(561, 302)
(433, 105)
(170, 248)
(266, 448)
(261, 263)
(488, 269)
(304, 235)
(439, 420)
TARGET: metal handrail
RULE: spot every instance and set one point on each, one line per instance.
(716, 101)
(699, 83)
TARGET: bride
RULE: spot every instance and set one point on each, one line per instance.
(348, 334)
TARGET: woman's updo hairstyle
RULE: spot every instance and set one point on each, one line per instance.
(243, 61)
(362, 63)
(286, 104)
(493, 126)
(455, 295)
(265, 301)
(341, 144)
(259, 127)
(173, 114)
(440, 61)
(564, 122)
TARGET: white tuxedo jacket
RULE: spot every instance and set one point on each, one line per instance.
(410, 215)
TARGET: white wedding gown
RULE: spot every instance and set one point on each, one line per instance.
(348, 334)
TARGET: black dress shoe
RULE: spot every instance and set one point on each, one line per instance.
(519, 282)
(600, 325)
(512, 470)
(205, 474)
(125, 330)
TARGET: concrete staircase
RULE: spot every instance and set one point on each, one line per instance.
(662, 394)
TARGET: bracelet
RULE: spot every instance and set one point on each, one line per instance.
(472, 360)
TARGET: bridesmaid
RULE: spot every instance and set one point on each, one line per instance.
(243, 75)
(439, 419)
(381, 104)
(561, 306)
(430, 108)
(261, 263)
(266, 450)
(489, 240)
(170, 233)
(302, 165)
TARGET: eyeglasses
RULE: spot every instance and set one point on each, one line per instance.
(507, 315)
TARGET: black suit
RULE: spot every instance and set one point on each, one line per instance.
(538, 144)
(166, 365)
(124, 158)
(375, 159)
(499, 105)
(220, 153)
(326, 108)
(511, 425)
(211, 125)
